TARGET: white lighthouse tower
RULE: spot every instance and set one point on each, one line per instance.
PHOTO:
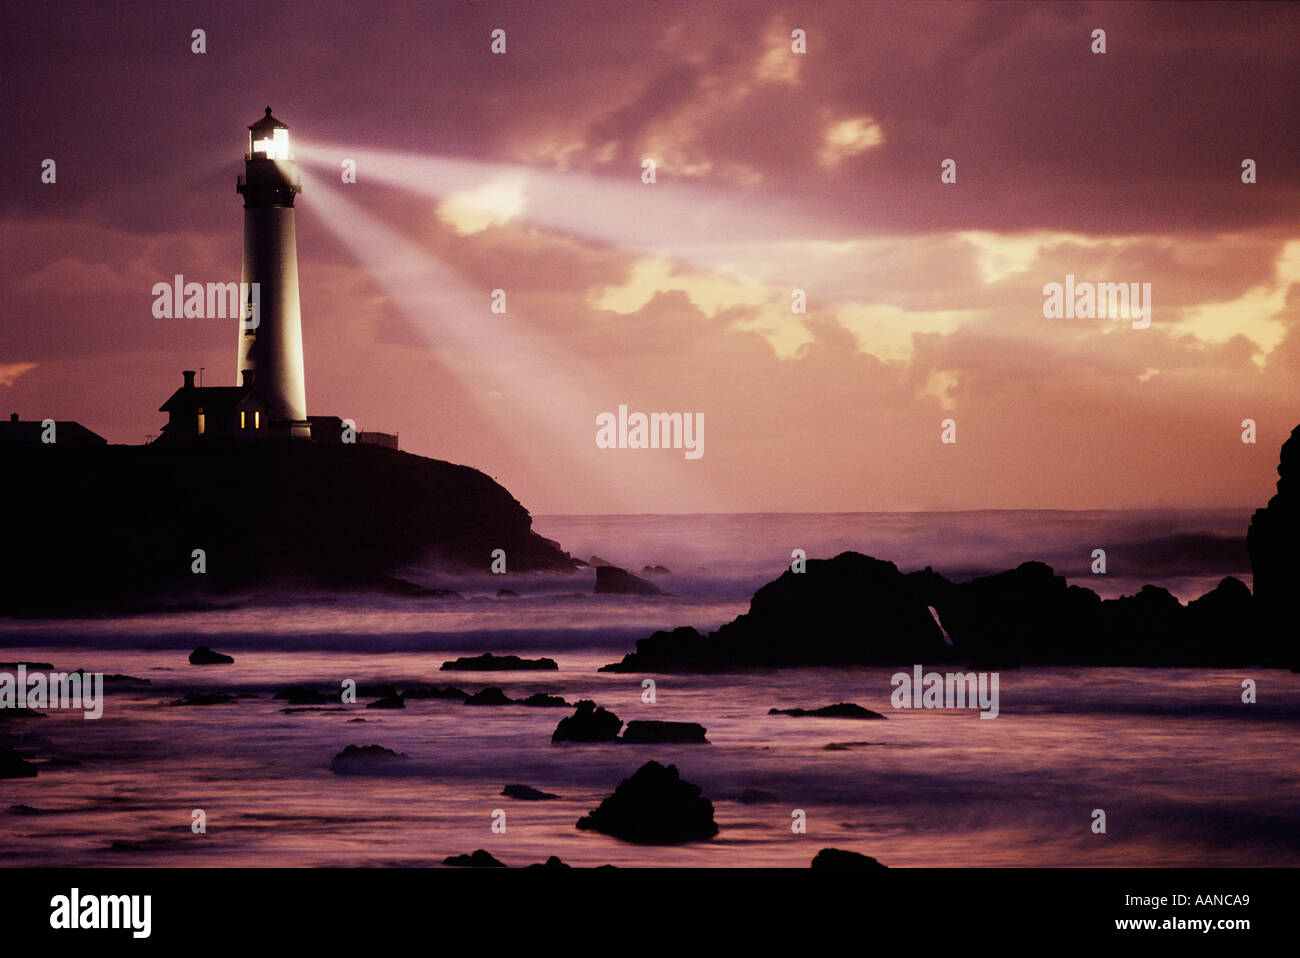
(270, 334)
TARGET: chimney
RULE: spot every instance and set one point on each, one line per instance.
(189, 378)
(247, 375)
(13, 417)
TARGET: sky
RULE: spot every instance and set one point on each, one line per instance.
(774, 171)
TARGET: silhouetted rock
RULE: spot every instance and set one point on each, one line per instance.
(487, 662)
(1143, 628)
(526, 793)
(301, 695)
(846, 710)
(1026, 614)
(205, 656)
(1274, 545)
(21, 809)
(839, 858)
(588, 724)
(117, 678)
(654, 807)
(643, 732)
(387, 702)
(480, 859)
(490, 696)
(361, 758)
(542, 700)
(655, 570)
(386, 509)
(374, 690)
(552, 862)
(435, 692)
(507, 594)
(392, 585)
(856, 610)
(597, 562)
(205, 698)
(14, 765)
(681, 649)
(848, 610)
(613, 580)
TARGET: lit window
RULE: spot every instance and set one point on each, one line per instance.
(201, 420)
(257, 419)
(242, 416)
(276, 148)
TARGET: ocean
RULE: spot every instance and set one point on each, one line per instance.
(1185, 772)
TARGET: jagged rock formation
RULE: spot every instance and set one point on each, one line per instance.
(588, 723)
(653, 731)
(654, 807)
(610, 579)
(856, 610)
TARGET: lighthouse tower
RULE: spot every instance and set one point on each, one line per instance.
(270, 333)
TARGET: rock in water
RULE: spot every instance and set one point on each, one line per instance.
(839, 858)
(526, 793)
(490, 696)
(846, 710)
(654, 807)
(852, 609)
(480, 859)
(611, 579)
(205, 698)
(388, 702)
(301, 695)
(552, 862)
(856, 610)
(542, 700)
(434, 692)
(205, 656)
(588, 724)
(1274, 545)
(487, 662)
(643, 732)
(363, 758)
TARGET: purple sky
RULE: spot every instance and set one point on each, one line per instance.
(775, 171)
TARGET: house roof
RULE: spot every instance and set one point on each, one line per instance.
(30, 430)
(210, 398)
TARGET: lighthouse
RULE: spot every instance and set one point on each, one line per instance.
(270, 333)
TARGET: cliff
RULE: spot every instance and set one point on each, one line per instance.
(100, 528)
(1274, 545)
